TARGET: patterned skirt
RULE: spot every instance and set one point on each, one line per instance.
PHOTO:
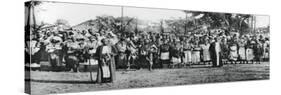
(195, 56)
(106, 71)
(206, 55)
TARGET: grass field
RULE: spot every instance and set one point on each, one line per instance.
(43, 82)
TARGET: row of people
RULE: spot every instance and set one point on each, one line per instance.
(145, 50)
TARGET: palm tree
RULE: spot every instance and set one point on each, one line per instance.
(31, 20)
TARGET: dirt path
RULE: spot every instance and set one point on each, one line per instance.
(61, 82)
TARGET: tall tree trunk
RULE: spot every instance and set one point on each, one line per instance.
(227, 23)
(28, 19)
(240, 25)
(34, 19)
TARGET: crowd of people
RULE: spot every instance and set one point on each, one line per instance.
(111, 50)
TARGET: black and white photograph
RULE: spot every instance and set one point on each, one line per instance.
(80, 47)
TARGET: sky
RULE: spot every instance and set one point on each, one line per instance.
(73, 13)
(262, 21)
(151, 14)
(49, 12)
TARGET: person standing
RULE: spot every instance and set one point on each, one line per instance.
(152, 53)
(215, 50)
(196, 53)
(233, 53)
(205, 50)
(122, 57)
(33, 50)
(258, 51)
(106, 66)
(176, 55)
(242, 50)
(71, 58)
(131, 53)
(91, 48)
(54, 49)
(164, 53)
(224, 50)
(143, 53)
(266, 49)
(250, 51)
(187, 52)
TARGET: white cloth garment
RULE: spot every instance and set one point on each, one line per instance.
(164, 56)
(218, 49)
(106, 50)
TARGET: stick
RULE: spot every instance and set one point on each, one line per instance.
(90, 70)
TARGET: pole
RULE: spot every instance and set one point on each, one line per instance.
(185, 24)
(122, 21)
(136, 26)
(90, 70)
(255, 24)
(252, 21)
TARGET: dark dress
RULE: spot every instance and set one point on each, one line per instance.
(106, 62)
(215, 55)
(176, 55)
(143, 56)
(258, 51)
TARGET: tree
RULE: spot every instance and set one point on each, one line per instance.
(104, 23)
(115, 24)
(62, 22)
(219, 20)
(31, 19)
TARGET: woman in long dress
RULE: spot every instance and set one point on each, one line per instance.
(206, 53)
(187, 52)
(165, 53)
(122, 54)
(196, 53)
(266, 49)
(258, 52)
(54, 50)
(242, 51)
(249, 51)
(106, 65)
(91, 49)
(176, 55)
(143, 54)
(215, 52)
(71, 58)
(233, 53)
(224, 50)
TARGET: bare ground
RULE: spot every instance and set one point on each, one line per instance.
(43, 82)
